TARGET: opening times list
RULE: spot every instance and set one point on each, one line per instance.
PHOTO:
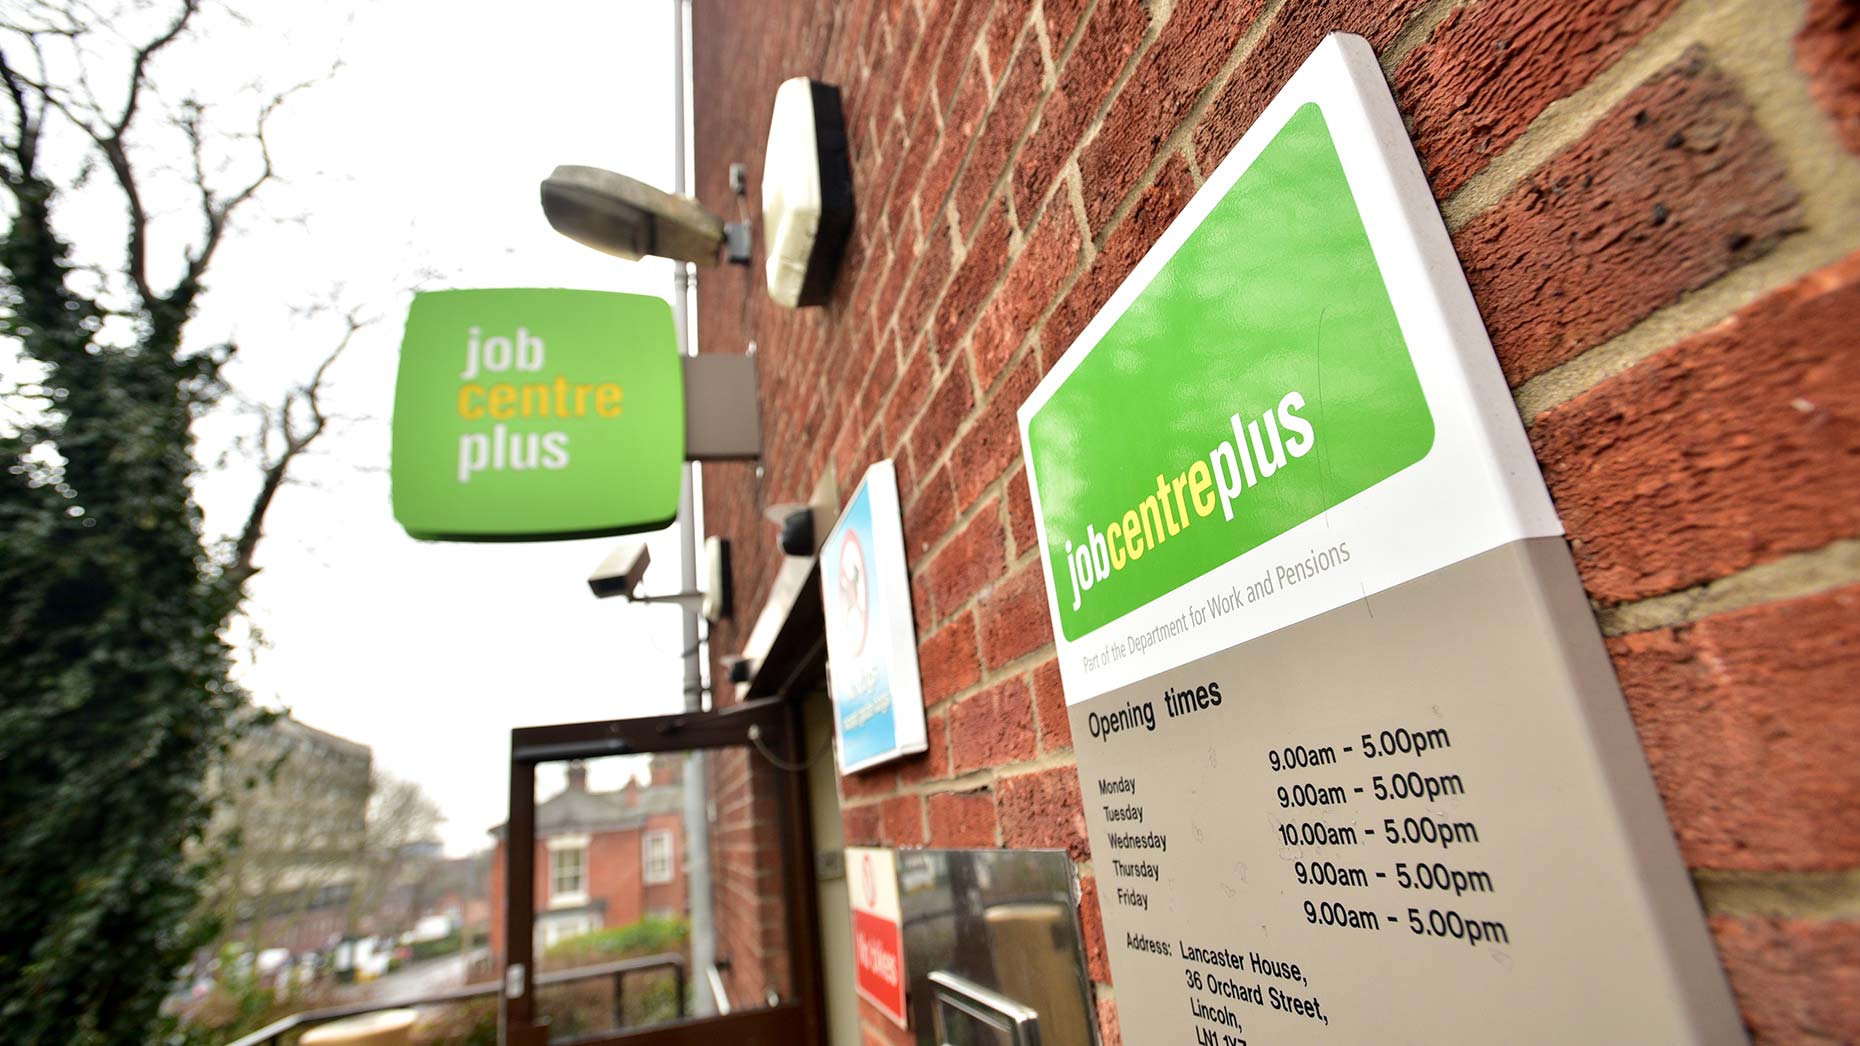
(1382, 869)
(1390, 827)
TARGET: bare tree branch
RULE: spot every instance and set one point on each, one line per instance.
(294, 437)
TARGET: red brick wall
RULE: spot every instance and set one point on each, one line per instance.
(746, 883)
(1658, 207)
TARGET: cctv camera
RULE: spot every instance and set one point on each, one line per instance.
(619, 573)
(739, 669)
(625, 217)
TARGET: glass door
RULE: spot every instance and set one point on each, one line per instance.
(633, 841)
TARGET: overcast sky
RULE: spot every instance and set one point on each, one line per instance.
(424, 153)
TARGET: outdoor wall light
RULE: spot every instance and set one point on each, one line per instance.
(629, 219)
(807, 192)
(620, 574)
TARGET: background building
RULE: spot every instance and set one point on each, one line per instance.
(1657, 205)
(297, 807)
(603, 859)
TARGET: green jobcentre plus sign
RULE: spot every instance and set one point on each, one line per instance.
(1354, 763)
(1259, 379)
(537, 414)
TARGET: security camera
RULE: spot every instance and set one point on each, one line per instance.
(627, 218)
(620, 572)
(801, 527)
(738, 668)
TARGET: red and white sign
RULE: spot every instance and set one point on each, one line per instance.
(878, 935)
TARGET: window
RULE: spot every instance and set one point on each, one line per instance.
(658, 856)
(568, 871)
(550, 932)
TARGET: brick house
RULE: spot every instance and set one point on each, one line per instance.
(1657, 206)
(603, 859)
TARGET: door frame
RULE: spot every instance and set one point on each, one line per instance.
(776, 722)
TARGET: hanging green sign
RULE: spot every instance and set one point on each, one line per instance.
(537, 414)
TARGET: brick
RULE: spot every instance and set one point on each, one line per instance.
(880, 378)
(1091, 919)
(1061, 18)
(1017, 99)
(991, 446)
(869, 784)
(947, 660)
(921, 610)
(1796, 981)
(859, 324)
(965, 819)
(993, 728)
(1749, 713)
(1291, 36)
(1108, 44)
(1110, 1032)
(1014, 617)
(959, 130)
(1184, 59)
(1492, 67)
(1041, 269)
(904, 40)
(911, 392)
(925, 287)
(873, 451)
(1827, 50)
(861, 825)
(1004, 29)
(965, 20)
(1719, 431)
(899, 209)
(1049, 703)
(975, 556)
(902, 820)
(1673, 188)
(933, 765)
(1123, 248)
(974, 281)
(913, 81)
(943, 415)
(1043, 809)
(847, 447)
(929, 516)
(1020, 514)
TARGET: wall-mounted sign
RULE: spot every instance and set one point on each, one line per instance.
(878, 934)
(1355, 764)
(533, 414)
(865, 592)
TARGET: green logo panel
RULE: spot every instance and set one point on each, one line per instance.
(536, 414)
(1259, 380)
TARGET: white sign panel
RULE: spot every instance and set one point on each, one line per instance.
(878, 930)
(878, 707)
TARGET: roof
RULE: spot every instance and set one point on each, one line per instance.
(573, 810)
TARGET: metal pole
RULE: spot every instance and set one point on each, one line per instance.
(696, 781)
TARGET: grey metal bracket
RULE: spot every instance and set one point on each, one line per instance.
(723, 419)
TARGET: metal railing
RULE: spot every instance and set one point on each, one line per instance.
(619, 971)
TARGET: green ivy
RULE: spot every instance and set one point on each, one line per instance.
(114, 691)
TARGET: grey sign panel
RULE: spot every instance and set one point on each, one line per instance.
(1420, 818)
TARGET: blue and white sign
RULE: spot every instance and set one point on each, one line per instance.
(878, 700)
